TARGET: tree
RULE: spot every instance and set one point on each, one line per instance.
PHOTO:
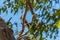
(36, 28)
(6, 33)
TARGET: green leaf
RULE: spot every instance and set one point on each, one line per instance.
(9, 5)
(57, 12)
(45, 1)
(54, 37)
(58, 23)
(8, 0)
(50, 36)
(10, 25)
(41, 38)
(0, 10)
(3, 9)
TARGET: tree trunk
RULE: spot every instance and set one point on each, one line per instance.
(5, 32)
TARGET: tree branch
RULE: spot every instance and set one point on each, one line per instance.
(23, 22)
(31, 9)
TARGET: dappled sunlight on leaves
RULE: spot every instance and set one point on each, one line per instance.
(58, 23)
(48, 22)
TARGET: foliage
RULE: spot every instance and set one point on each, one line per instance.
(37, 27)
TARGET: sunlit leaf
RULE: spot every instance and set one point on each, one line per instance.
(41, 38)
(45, 1)
(33, 39)
(58, 23)
(10, 26)
(23, 1)
(57, 13)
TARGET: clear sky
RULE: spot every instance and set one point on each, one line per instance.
(16, 18)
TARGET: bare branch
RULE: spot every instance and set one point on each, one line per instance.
(23, 22)
(31, 9)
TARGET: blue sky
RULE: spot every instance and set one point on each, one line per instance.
(16, 18)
